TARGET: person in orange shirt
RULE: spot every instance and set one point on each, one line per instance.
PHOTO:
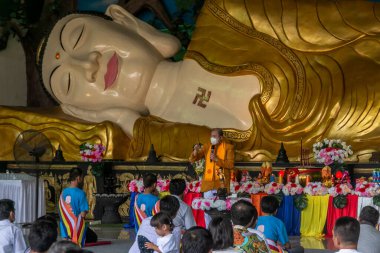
(219, 156)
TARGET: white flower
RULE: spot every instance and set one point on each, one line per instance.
(220, 205)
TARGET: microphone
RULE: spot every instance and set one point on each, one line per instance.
(212, 151)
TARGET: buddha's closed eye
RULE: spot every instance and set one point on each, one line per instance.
(79, 36)
(68, 84)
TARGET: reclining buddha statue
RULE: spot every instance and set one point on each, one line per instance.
(265, 71)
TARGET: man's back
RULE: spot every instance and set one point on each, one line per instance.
(369, 239)
(184, 217)
(11, 238)
(76, 198)
(146, 203)
(273, 228)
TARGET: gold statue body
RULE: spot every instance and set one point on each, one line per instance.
(89, 187)
(317, 66)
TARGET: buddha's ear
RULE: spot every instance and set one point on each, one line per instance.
(166, 44)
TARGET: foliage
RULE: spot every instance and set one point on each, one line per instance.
(340, 201)
(300, 201)
(376, 200)
(18, 16)
(279, 196)
(97, 169)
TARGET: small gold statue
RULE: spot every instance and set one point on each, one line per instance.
(89, 188)
(326, 176)
(266, 171)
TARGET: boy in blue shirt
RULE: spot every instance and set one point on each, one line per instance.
(73, 207)
(147, 200)
(273, 228)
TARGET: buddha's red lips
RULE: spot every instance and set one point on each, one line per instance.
(112, 71)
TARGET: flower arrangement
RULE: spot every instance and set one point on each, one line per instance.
(234, 187)
(331, 151)
(342, 178)
(194, 186)
(136, 186)
(367, 189)
(315, 189)
(163, 185)
(207, 204)
(91, 152)
(292, 189)
(273, 188)
(245, 176)
(340, 192)
(340, 189)
(251, 187)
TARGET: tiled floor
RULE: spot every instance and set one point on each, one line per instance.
(122, 240)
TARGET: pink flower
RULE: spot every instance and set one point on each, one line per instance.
(228, 204)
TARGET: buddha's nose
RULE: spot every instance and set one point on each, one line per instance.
(90, 65)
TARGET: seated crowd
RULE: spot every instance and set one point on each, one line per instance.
(167, 225)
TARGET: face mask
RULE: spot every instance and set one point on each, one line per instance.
(214, 141)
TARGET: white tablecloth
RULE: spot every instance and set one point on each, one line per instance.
(21, 189)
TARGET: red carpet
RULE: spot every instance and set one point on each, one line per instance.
(92, 244)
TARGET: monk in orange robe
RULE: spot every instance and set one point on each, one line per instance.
(219, 161)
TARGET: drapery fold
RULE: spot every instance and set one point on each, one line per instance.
(290, 215)
(23, 193)
(313, 217)
(199, 215)
(335, 213)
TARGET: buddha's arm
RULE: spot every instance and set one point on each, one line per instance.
(124, 117)
(309, 26)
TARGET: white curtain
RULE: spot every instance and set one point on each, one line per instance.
(21, 189)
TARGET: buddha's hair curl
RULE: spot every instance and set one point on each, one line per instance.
(40, 50)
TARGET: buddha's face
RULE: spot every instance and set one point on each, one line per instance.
(94, 63)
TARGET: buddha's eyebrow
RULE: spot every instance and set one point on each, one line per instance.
(60, 37)
(50, 80)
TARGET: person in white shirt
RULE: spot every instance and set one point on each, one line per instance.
(11, 238)
(168, 205)
(184, 217)
(346, 234)
(369, 238)
(166, 242)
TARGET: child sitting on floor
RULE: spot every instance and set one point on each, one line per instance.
(166, 242)
(273, 228)
(346, 234)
